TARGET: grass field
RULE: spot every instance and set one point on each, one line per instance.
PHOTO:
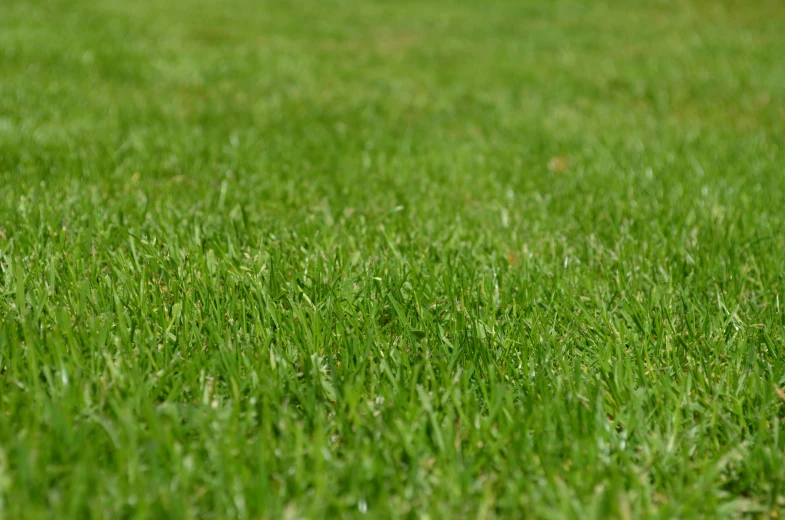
(445, 259)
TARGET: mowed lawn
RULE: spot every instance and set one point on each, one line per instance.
(422, 259)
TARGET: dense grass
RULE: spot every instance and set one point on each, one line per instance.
(308, 259)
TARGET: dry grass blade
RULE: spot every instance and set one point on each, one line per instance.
(559, 164)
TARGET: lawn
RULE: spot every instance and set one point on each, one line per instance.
(381, 259)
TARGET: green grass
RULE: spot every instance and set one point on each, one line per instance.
(307, 259)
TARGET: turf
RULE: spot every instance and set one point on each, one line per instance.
(445, 259)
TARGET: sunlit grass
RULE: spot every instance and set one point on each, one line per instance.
(391, 259)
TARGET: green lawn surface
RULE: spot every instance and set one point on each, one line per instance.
(392, 259)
